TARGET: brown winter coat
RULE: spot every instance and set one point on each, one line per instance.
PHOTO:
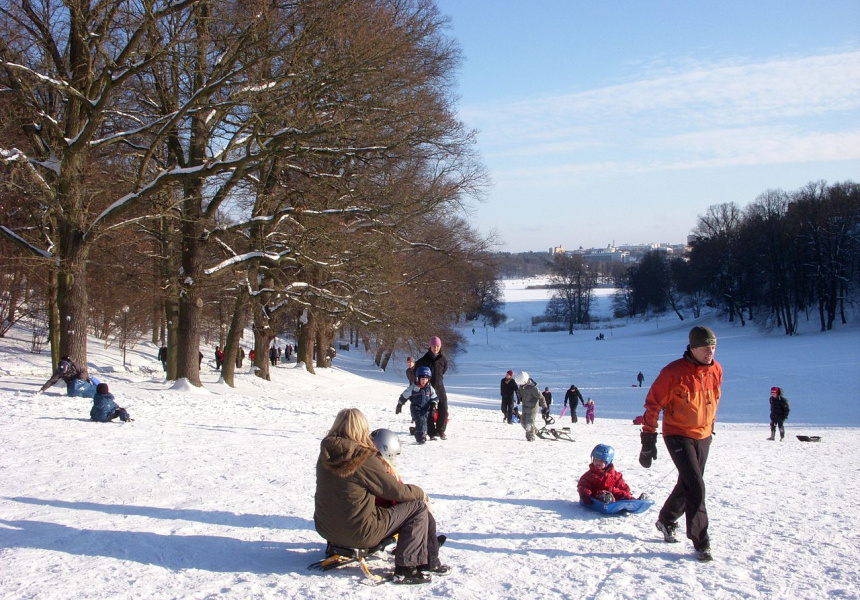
(349, 479)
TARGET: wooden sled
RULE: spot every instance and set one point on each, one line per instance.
(340, 556)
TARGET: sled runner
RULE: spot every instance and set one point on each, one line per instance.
(809, 438)
(340, 556)
(620, 506)
(552, 433)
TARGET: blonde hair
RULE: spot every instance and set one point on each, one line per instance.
(351, 423)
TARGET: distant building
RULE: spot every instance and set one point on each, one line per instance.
(557, 250)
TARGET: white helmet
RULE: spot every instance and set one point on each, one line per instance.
(387, 442)
(521, 378)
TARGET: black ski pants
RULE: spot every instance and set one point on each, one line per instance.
(688, 497)
(438, 426)
(508, 408)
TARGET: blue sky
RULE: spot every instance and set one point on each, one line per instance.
(621, 121)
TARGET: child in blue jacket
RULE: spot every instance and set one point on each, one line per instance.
(105, 408)
(423, 401)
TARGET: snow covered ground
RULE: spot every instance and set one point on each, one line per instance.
(209, 493)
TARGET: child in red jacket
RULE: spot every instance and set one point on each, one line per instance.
(602, 482)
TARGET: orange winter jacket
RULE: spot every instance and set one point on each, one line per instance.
(688, 394)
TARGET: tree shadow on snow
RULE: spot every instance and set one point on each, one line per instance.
(227, 519)
(205, 552)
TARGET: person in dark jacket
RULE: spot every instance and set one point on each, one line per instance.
(508, 389)
(438, 365)
(640, 378)
(547, 397)
(105, 408)
(350, 476)
(162, 356)
(78, 382)
(240, 357)
(410, 370)
(571, 396)
(779, 409)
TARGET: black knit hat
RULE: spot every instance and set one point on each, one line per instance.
(702, 336)
(102, 388)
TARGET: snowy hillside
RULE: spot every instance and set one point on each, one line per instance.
(209, 493)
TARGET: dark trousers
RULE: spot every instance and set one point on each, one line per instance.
(774, 423)
(437, 427)
(688, 497)
(508, 408)
(417, 543)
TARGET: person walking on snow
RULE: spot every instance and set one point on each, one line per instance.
(423, 400)
(438, 364)
(640, 378)
(508, 388)
(779, 409)
(572, 395)
(687, 392)
(589, 412)
(529, 396)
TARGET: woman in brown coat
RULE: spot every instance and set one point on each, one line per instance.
(350, 476)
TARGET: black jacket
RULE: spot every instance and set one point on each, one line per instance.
(508, 388)
(572, 396)
(779, 407)
(438, 364)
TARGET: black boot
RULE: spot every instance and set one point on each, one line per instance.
(410, 576)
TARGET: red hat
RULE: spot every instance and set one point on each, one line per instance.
(511, 373)
(774, 389)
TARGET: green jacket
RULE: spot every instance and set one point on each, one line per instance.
(349, 479)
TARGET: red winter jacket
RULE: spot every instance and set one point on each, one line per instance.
(602, 480)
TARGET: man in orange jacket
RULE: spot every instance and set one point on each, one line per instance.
(687, 391)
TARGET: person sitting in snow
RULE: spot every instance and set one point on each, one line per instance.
(423, 401)
(105, 408)
(530, 397)
(78, 382)
(602, 483)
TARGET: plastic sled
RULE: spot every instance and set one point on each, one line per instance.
(621, 506)
(340, 556)
(81, 388)
(809, 438)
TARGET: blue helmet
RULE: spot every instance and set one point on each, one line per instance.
(424, 372)
(604, 453)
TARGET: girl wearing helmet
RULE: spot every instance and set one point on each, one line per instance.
(423, 400)
(602, 482)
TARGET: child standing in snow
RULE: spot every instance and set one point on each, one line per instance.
(589, 411)
(602, 482)
(423, 400)
(105, 408)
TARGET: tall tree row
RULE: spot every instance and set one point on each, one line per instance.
(787, 256)
(250, 161)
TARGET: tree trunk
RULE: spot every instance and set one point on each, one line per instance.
(237, 324)
(305, 342)
(72, 295)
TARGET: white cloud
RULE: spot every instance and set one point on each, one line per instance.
(730, 113)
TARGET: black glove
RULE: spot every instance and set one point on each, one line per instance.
(433, 407)
(399, 409)
(649, 449)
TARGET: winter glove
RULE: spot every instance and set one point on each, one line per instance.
(399, 409)
(433, 406)
(644, 496)
(605, 497)
(649, 449)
